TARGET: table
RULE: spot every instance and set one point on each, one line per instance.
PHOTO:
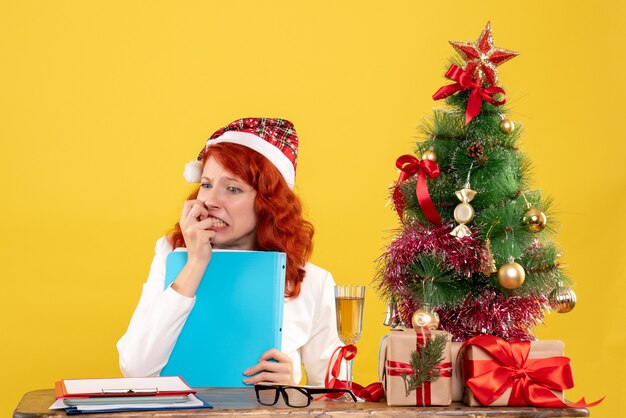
(242, 403)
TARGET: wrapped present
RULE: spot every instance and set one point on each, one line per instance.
(499, 373)
(457, 373)
(522, 373)
(401, 380)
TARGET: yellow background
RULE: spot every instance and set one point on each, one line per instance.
(102, 104)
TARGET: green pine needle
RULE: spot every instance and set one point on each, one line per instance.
(425, 361)
(434, 281)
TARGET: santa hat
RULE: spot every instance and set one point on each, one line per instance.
(275, 139)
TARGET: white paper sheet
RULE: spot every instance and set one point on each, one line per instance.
(120, 385)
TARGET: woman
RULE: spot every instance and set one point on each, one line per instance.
(245, 202)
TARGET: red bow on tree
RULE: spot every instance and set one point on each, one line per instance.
(409, 166)
(464, 81)
(530, 380)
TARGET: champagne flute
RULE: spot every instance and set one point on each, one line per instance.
(349, 301)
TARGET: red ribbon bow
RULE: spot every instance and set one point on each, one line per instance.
(373, 392)
(409, 166)
(464, 81)
(530, 380)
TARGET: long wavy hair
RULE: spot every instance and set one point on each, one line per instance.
(280, 226)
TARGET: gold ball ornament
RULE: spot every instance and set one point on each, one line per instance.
(429, 155)
(425, 318)
(511, 275)
(562, 299)
(535, 219)
(507, 126)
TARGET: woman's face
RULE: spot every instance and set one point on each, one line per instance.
(230, 202)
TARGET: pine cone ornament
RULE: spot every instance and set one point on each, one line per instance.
(475, 150)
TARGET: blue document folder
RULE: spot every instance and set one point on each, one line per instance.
(237, 316)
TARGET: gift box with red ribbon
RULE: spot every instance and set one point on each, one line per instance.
(395, 361)
(523, 373)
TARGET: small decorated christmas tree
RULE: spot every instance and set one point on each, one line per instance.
(473, 254)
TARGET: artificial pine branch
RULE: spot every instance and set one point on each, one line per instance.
(425, 361)
(445, 124)
(434, 282)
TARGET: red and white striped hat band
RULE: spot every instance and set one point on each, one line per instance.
(275, 139)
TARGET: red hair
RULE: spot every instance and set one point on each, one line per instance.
(280, 226)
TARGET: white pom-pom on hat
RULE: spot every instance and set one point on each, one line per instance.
(193, 171)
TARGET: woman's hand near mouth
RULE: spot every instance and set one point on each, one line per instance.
(197, 228)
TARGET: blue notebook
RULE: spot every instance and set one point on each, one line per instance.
(237, 316)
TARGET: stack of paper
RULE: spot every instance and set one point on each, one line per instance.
(125, 394)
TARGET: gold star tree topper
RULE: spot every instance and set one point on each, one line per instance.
(482, 57)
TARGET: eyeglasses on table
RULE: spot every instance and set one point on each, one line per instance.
(294, 396)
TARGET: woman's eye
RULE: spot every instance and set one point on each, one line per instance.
(205, 185)
(233, 189)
